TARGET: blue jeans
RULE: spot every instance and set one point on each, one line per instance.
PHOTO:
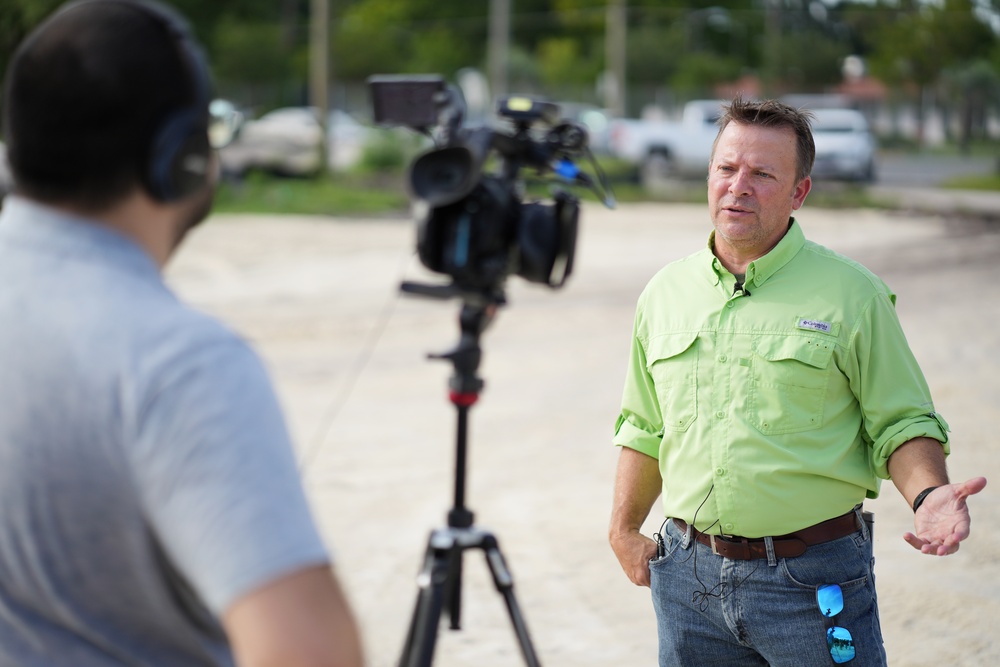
(712, 610)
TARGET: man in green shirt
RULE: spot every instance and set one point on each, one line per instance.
(770, 389)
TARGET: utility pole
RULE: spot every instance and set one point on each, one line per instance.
(772, 45)
(499, 46)
(614, 57)
(319, 73)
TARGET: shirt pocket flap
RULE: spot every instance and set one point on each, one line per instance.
(672, 363)
(666, 346)
(815, 352)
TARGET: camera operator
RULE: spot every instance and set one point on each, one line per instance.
(152, 511)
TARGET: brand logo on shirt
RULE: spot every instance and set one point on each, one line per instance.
(815, 325)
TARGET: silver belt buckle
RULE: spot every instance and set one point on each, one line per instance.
(711, 541)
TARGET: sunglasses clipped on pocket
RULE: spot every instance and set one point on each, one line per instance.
(830, 599)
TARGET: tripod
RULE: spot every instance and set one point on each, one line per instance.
(440, 579)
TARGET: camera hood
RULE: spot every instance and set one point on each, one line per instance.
(443, 176)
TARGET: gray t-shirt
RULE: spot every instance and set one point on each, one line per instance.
(146, 475)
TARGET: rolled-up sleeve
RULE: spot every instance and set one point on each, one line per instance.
(640, 424)
(891, 389)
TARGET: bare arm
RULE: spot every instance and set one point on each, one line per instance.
(300, 620)
(942, 521)
(916, 465)
(637, 486)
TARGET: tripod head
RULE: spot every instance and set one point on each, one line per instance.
(465, 384)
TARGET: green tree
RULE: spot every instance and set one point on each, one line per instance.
(976, 87)
(379, 36)
(219, 26)
(255, 62)
(679, 50)
(698, 73)
(922, 41)
(17, 18)
(818, 72)
(563, 63)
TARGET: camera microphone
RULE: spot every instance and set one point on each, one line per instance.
(569, 171)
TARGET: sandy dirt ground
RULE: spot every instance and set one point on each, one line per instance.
(376, 434)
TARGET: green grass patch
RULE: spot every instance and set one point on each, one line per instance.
(377, 187)
(977, 148)
(839, 195)
(334, 195)
(987, 182)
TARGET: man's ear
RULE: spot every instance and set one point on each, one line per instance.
(799, 193)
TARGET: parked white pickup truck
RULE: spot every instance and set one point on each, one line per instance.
(663, 148)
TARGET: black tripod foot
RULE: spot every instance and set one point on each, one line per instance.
(440, 588)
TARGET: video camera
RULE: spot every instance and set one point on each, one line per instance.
(476, 228)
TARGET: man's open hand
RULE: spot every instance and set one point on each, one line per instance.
(942, 520)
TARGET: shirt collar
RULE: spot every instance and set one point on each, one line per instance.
(762, 268)
(55, 231)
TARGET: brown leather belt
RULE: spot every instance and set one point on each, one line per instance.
(785, 546)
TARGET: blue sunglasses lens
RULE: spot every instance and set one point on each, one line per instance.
(841, 644)
(830, 599)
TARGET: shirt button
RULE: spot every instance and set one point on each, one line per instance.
(720, 414)
(730, 304)
(729, 527)
(723, 358)
(720, 471)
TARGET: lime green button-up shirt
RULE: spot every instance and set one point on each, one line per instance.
(775, 407)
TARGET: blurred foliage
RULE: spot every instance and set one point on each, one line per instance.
(986, 182)
(562, 61)
(17, 17)
(345, 194)
(693, 75)
(944, 53)
(389, 151)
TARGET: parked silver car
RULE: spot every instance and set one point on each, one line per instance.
(288, 140)
(845, 146)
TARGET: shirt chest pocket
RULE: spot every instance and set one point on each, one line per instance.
(789, 382)
(672, 363)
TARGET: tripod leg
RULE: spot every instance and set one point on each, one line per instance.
(453, 590)
(505, 584)
(418, 651)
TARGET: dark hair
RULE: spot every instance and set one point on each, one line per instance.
(85, 93)
(771, 113)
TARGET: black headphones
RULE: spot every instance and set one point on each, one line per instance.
(179, 154)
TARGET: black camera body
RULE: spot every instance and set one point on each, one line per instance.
(477, 228)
